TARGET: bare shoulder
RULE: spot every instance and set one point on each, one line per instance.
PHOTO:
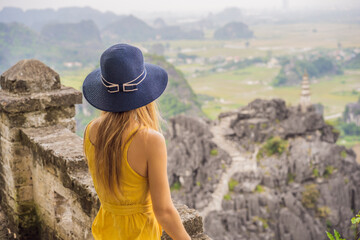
(151, 137)
(154, 145)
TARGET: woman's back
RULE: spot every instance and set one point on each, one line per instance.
(125, 88)
(130, 215)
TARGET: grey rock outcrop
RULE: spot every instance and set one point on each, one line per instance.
(196, 162)
(294, 181)
(352, 113)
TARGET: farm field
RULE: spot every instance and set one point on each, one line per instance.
(237, 88)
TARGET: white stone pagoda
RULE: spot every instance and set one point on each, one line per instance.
(305, 92)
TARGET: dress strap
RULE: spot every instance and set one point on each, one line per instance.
(132, 132)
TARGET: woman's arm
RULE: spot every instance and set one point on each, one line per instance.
(164, 209)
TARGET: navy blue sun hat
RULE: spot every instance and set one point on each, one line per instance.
(124, 81)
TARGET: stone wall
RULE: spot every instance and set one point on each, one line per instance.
(46, 191)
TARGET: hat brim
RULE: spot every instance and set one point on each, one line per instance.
(149, 90)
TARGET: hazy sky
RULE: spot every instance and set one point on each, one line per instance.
(128, 6)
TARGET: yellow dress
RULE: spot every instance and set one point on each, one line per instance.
(131, 217)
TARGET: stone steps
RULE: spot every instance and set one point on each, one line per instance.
(241, 162)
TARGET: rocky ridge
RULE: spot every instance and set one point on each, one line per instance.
(265, 171)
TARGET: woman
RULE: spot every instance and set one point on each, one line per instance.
(126, 151)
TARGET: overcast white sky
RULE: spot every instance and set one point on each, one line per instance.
(128, 6)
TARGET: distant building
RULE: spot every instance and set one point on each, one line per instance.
(305, 101)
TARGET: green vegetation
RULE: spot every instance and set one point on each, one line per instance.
(259, 188)
(349, 133)
(316, 172)
(336, 236)
(354, 63)
(290, 177)
(310, 196)
(355, 221)
(323, 212)
(214, 152)
(328, 224)
(262, 220)
(227, 196)
(233, 30)
(317, 67)
(350, 129)
(274, 145)
(175, 186)
(170, 105)
(328, 171)
(232, 183)
(239, 87)
(84, 31)
(343, 154)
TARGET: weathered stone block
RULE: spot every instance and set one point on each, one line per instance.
(65, 96)
(29, 75)
(11, 134)
(48, 117)
(24, 193)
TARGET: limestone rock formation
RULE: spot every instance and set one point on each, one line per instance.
(352, 113)
(277, 173)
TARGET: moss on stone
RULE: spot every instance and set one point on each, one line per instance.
(315, 172)
(328, 171)
(274, 145)
(175, 186)
(227, 197)
(214, 152)
(310, 196)
(232, 183)
(259, 188)
(290, 177)
(323, 212)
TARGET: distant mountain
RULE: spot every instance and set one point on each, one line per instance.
(178, 98)
(59, 44)
(38, 18)
(84, 32)
(17, 41)
(228, 15)
(233, 30)
(129, 28)
(159, 23)
(175, 32)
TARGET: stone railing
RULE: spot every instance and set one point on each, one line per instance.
(46, 191)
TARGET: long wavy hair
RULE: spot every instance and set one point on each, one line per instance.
(109, 145)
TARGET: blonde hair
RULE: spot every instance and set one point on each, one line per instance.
(109, 145)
